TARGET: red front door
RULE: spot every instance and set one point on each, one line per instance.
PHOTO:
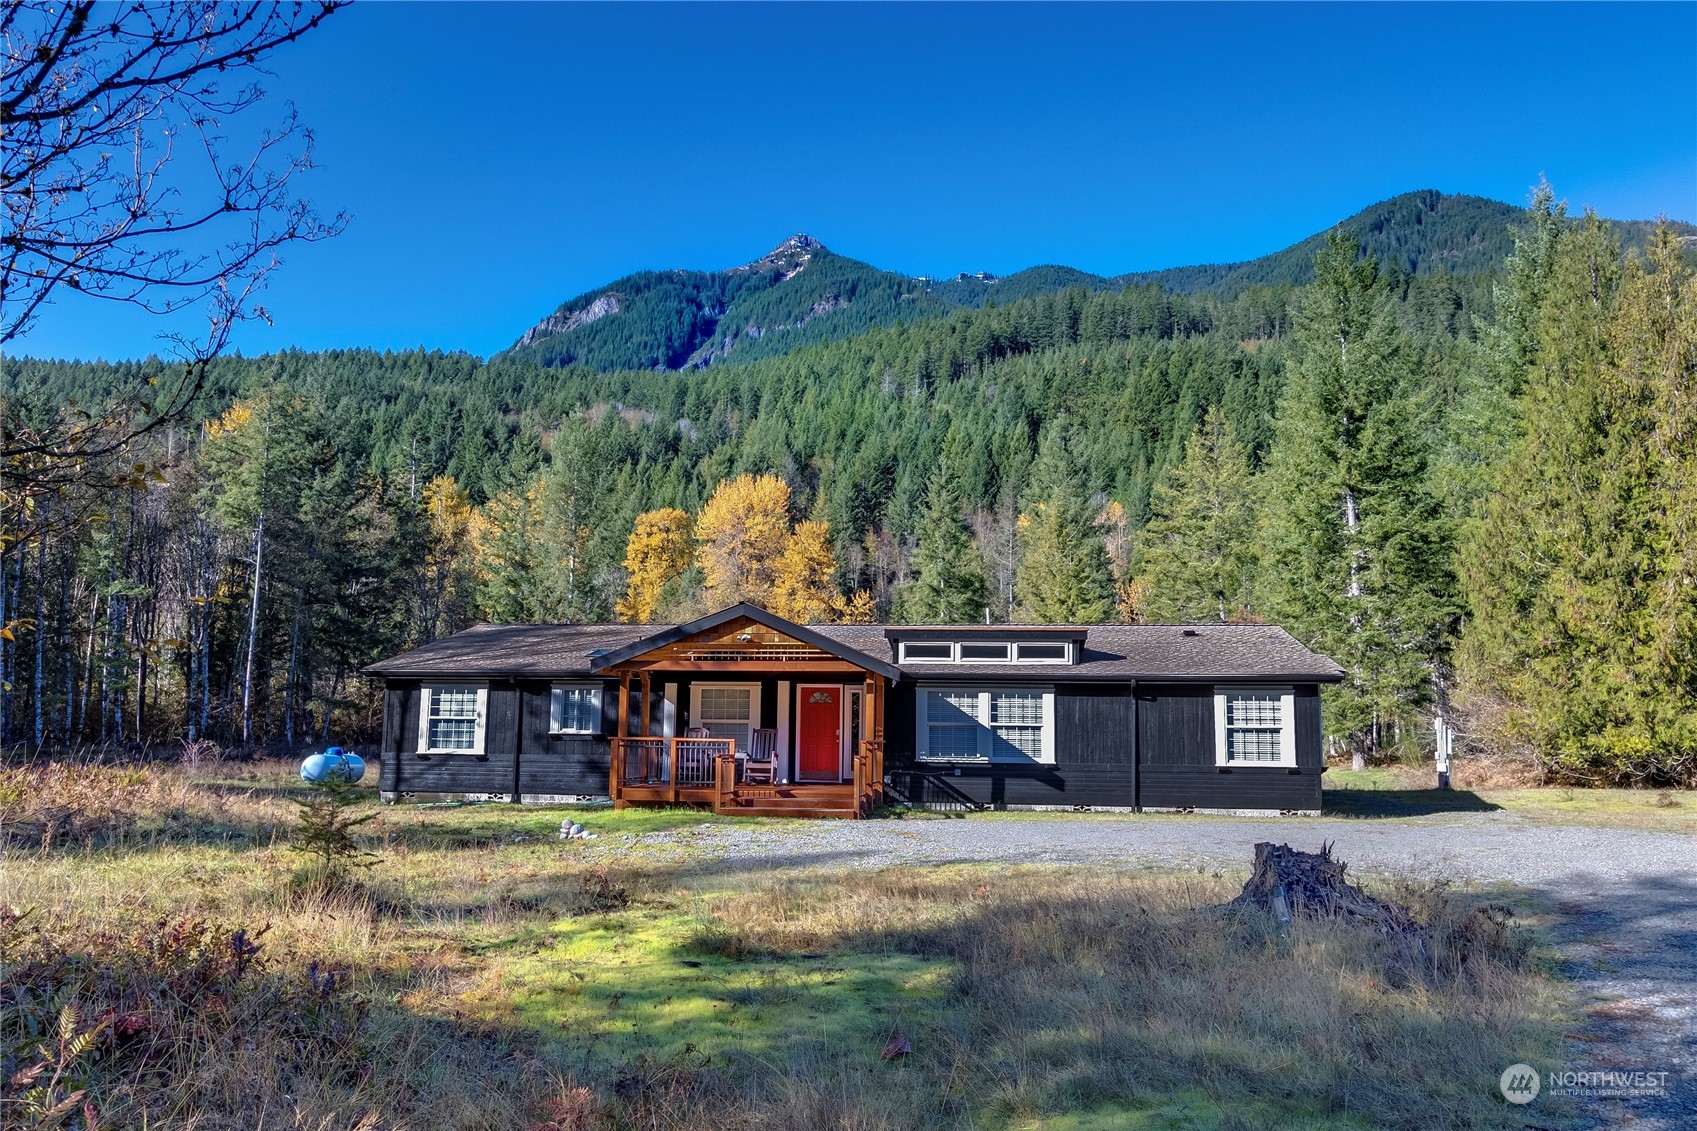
(819, 733)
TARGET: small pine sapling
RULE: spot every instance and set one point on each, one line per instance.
(327, 824)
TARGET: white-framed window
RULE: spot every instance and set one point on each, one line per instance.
(1254, 726)
(451, 718)
(986, 724)
(927, 651)
(1044, 652)
(575, 708)
(727, 710)
(986, 651)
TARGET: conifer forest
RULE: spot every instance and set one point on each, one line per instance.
(1476, 490)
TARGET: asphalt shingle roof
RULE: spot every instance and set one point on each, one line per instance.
(1147, 652)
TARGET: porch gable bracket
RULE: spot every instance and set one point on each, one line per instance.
(783, 643)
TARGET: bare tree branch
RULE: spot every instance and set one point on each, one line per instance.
(99, 198)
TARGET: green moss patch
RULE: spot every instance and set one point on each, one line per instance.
(1185, 1111)
(650, 982)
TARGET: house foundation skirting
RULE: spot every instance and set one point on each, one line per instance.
(1200, 811)
(391, 797)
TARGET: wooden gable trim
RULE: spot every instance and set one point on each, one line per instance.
(741, 638)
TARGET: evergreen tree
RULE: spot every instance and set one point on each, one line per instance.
(1581, 566)
(1198, 550)
(1356, 552)
(1063, 575)
(948, 587)
(1480, 417)
(512, 581)
(574, 502)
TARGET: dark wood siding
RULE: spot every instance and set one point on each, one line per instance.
(1175, 726)
(898, 724)
(573, 765)
(1093, 757)
(493, 771)
(400, 731)
(1176, 763)
(1309, 752)
(1093, 725)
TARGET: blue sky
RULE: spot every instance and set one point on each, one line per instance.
(499, 159)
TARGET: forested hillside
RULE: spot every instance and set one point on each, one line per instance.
(797, 295)
(801, 294)
(1332, 456)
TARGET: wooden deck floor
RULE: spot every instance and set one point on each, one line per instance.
(800, 799)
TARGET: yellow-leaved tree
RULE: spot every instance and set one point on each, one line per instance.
(804, 587)
(660, 548)
(740, 535)
(447, 589)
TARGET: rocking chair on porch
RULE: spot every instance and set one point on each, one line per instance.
(761, 767)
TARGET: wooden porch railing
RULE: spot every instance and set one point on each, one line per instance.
(868, 776)
(681, 763)
(705, 769)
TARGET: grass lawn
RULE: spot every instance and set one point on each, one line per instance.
(1396, 792)
(482, 974)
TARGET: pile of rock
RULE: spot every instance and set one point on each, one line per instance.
(571, 830)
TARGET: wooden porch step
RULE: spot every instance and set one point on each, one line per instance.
(794, 801)
(768, 809)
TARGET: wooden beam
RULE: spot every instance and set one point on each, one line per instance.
(647, 705)
(624, 704)
(751, 667)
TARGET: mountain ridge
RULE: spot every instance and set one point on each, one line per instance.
(802, 293)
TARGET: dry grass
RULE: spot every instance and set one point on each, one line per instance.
(485, 975)
(1405, 791)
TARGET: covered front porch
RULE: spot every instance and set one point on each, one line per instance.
(751, 715)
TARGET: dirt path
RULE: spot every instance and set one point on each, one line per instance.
(1627, 901)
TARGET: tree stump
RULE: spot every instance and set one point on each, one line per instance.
(1287, 883)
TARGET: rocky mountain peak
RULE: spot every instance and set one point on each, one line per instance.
(788, 258)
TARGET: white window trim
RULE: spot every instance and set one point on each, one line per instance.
(1013, 656)
(595, 697)
(949, 659)
(986, 732)
(1064, 658)
(1007, 659)
(753, 689)
(479, 730)
(1287, 727)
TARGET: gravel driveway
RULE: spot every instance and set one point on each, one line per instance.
(1626, 898)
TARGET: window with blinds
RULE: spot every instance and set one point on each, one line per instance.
(959, 724)
(575, 708)
(726, 712)
(451, 718)
(1016, 721)
(1255, 727)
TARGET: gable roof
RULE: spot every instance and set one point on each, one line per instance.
(836, 647)
(522, 650)
(1148, 653)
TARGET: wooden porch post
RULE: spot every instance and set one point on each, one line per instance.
(877, 732)
(618, 751)
(647, 710)
(624, 704)
(868, 709)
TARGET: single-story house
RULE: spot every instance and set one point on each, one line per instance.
(747, 712)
